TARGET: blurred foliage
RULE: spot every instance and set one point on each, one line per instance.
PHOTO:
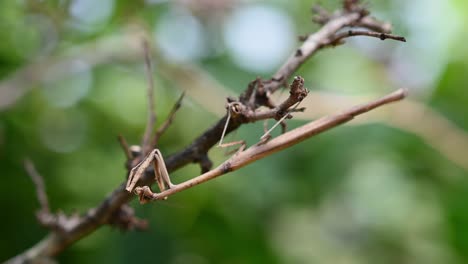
(362, 194)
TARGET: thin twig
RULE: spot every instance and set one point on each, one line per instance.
(309, 47)
(125, 148)
(316, 41)
(351, 33)
(169, 120)
(281, 142)
(40, 186)
(146, 141)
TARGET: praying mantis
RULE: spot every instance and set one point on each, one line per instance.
(160, 171)
(161, 174)
(156, 159)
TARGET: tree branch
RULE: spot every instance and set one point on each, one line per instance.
(104, 213)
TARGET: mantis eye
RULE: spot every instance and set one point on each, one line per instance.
(236, 108)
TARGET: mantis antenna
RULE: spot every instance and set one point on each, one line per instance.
(220, 144)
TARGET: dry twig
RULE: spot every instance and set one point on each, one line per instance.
(351, 33)
(40, 186)
(146, 141)
(354, 15)
(125, 148)
(168, 120)
(58, 222)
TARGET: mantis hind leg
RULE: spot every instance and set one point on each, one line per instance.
(137, 171)
(161, 173)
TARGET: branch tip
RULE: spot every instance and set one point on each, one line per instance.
(170, 118)
(39, 184)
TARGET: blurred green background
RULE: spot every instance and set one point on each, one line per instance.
(72, 78)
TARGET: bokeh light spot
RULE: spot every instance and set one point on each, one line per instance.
(89, 15)
(65, 86)
(63, 131)
(180, 36)
(259, 38)
(35, 35)
(121, 93)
